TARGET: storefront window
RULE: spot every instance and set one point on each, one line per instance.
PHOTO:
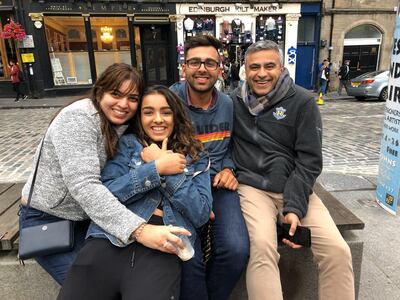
(7, 49)
(271, 27)
(199, 25)
(66, 40)
(306, 30)
(110, 41)
(362, 32)
(138, 49)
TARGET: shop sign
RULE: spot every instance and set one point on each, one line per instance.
(388, 186)
(27, 42)
(27, 58)
(56, 65)
(239, 8)
(8, 3)
(292, 55)
(106, 7)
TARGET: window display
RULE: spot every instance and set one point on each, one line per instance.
(194, 25)
(198, 25)
(271, 28)
(8, 49)
(237, 31)
(67, 44)
(111, 41)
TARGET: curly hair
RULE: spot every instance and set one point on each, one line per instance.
(182, 139)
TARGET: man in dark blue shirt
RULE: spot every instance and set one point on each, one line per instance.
(211, 113)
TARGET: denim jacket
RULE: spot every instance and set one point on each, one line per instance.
(185, 198)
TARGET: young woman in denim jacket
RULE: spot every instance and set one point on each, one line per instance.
(75, 148)
(172, 198)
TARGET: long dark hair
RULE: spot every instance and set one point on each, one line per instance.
(182, 139)
(111, 80)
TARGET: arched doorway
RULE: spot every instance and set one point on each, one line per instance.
(362, 48)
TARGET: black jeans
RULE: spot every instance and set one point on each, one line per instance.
(17, 89)
(103, 271)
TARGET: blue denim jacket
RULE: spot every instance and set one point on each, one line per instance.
(185, 198)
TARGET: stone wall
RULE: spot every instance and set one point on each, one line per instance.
(348, 14)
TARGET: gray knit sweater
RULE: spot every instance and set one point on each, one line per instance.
(68, 179)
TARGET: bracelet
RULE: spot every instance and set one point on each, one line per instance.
(138, 231)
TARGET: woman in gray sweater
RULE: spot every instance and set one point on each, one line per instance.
(76, 146)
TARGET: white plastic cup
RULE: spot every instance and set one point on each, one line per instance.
(187, 252)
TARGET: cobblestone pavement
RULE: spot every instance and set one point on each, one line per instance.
(351, 136)
(20, 133)
(350, 142)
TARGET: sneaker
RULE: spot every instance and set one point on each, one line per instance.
(25, 97)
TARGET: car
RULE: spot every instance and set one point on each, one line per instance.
(368, 85)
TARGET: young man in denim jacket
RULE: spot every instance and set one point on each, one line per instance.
(211, 113)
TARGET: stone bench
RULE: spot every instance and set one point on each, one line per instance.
(32, 282)
(10, 195)
(17, 281)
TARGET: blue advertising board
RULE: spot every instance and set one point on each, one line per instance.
(387, 191)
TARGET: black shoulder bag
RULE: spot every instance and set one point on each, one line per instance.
(45, 239)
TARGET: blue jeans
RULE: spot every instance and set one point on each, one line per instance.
(324, 84)
(230, 251)
(57, 265)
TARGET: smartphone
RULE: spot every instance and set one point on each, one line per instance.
(302, 236)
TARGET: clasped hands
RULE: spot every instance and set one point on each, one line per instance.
(167, 162)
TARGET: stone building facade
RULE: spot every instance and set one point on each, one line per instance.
(359, 30)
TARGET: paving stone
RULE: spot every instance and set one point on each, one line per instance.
(340, 182)
(19, 139)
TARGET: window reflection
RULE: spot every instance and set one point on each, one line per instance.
(8, 49)
(67, 44)
(110, 41)
(138, 48)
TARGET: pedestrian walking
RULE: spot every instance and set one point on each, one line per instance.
(344, 76)
(320, 66)
(16, 79)
(324, 78)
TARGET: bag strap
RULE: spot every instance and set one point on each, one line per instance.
(33, 179)
(205, 170)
